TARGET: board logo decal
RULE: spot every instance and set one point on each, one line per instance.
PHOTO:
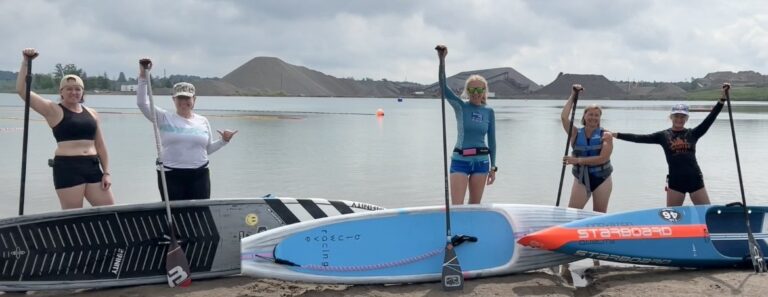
(251, 219)
(670, 215)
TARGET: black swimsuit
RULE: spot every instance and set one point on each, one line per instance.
(680, 150)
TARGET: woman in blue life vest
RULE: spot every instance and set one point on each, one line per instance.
(592, 146)
(473, 162)
(80, 163)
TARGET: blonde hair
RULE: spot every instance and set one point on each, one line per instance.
(587, 109)
(471, 78)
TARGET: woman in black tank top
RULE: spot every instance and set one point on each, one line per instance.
(81, 162)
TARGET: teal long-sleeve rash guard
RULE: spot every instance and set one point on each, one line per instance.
(473, 122)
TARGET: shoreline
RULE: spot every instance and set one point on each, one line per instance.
(606, 280)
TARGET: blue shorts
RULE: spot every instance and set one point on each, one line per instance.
(480, 166)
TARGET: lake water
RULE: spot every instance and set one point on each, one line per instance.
(337, 148)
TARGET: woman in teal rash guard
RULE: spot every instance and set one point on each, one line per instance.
(473, 162)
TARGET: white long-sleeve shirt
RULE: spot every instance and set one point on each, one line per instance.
(186, 143)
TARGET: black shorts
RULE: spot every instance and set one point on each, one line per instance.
(685, 183)
(186, 184)
(70, 171)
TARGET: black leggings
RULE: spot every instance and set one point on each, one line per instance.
(186, 184)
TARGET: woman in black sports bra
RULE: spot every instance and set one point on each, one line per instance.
(81, 162)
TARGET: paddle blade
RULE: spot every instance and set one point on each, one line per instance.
(179, 274)
(758, 262)
(452, 278)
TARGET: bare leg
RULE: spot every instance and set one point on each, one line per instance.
(700, 196)
(476, 187)
(578, 195)
(675, 198)
(601, 195)
(97, 196)
(71, 197)
(459, 183)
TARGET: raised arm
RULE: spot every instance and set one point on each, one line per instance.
(44, 107)
(567, 108)
(703, 127)
(452, 98)
(142, 91)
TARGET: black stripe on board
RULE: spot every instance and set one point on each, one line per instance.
(342, 207)
(312, 208)
(285, 214)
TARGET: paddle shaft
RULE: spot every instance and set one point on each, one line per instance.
(28, 93)
(754, 249)
(175, 252)
(567, 146)
(445, 161)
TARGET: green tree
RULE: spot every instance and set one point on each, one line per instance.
(60, 71)
(121, 78)
(43, 82)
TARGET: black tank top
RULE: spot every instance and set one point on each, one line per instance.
(75, 126)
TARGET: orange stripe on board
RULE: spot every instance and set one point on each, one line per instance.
(555, 237)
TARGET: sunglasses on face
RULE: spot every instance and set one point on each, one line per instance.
(478, 90)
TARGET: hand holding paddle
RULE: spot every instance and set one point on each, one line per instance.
(442, 52)
(30, 53)
(725, 92)
(146, 65)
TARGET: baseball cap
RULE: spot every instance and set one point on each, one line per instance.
(71, 79)
(680, 109)
(184, 89)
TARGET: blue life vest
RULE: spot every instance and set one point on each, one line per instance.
(590, 147)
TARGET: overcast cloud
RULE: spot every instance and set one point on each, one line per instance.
(393, 39)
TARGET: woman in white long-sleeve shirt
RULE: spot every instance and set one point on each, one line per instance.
(186, 138)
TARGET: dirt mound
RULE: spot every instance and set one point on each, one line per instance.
(595, 86)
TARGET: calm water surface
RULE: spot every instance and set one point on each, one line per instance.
(338, 149)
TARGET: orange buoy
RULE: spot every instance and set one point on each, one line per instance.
(379, 112)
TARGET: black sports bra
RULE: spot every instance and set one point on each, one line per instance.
(75, 126)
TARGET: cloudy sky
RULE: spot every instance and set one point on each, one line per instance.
(393, 39)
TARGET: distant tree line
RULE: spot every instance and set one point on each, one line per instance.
(49, 82)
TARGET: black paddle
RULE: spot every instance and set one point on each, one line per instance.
(27, 94)
(758, 263)
(176, 264)
(452, 278)
(568, 142)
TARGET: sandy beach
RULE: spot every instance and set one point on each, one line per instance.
(605, 280)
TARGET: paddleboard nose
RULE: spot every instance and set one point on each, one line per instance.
(549, 239)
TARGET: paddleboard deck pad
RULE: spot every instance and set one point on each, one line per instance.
(405, 245)
(126, 244)
(688, 236)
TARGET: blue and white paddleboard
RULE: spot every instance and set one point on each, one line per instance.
(688, 236)
(404, 245)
